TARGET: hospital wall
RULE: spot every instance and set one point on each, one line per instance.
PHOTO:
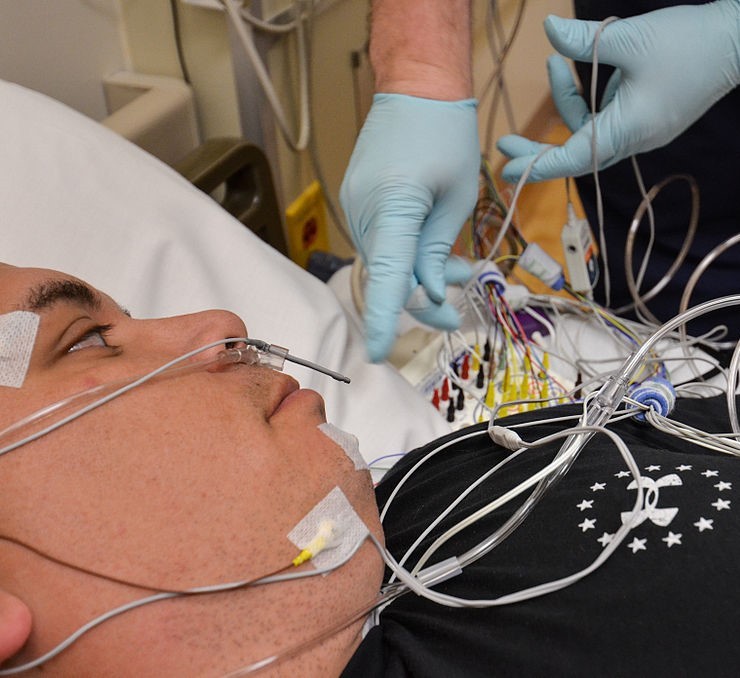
(66, 47)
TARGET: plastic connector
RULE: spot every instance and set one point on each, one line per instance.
(580, 253)
(440, 572)
(656, 394)
(260, 353)
(505, 437)
(327, 537)
(542, 266)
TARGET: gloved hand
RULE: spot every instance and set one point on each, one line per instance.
(672, 65)
(411, 183)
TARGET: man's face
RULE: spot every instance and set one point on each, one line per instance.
(187, 481)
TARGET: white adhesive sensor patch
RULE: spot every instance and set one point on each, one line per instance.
(348, 528)
(347, 442)
(17, 337)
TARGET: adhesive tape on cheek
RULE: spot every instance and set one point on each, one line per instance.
(347, 442)
(350, 530)
(17, 337)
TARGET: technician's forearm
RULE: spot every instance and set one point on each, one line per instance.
(422, 48)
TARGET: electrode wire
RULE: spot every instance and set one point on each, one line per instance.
(731, 392)
(718, 442)
(483, 548)
(651, 231)
(480, 267)
(607, 399)
(451, 506)
(421, 462)
(696, 274)
(597, 411)
(495, 82)
(128, 385)
(544, 479)
(638, 299)
(361, 613)
(167, 595)
(119, 390)
(595, 161)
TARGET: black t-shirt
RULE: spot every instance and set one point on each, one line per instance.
(709, 150)
(665, 604)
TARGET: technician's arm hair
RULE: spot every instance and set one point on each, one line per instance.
(422, 48)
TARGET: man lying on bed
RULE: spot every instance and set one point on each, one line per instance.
(197, 479)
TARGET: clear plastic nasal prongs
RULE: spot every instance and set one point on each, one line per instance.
(255, 354)
(260, 352)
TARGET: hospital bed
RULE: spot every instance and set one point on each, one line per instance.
(77, 197)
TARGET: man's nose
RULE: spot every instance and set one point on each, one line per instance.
(184, 333)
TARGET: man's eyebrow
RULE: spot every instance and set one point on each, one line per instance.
(46, 294)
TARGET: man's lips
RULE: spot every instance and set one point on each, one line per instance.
(302, 400)
(286, 389)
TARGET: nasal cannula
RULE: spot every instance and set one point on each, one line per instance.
(254, 352)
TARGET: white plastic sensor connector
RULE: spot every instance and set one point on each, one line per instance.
(505, 437)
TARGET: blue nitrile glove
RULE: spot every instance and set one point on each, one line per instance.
(411, 183)
(672, 65)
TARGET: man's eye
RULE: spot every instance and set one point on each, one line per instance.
(92, 339)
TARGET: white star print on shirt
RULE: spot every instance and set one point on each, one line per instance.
(597, 486)
(637, 545)
(721, 504)
(587, 524)
(585, 504)
(704, 524)
(605, 538)
(722, 485)
(672, 539)
(684, 467)
(710, 474)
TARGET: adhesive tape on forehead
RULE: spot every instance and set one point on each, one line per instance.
(350, 530)
(347, 442)
(17, 337)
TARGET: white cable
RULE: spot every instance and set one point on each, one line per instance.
(711, 441)
(560, 462)
(651, 237)
(507, 221)
(420, 463)
(417, 587)
(595, 161)
(452, 506)
(244, 32)
(270, 26)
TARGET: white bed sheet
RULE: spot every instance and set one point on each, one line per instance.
(76, 197)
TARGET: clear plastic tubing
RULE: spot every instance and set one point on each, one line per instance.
(255, 352)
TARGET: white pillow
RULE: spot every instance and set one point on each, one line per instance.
(76, 197)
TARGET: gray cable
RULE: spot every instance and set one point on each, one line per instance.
(638, 301)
